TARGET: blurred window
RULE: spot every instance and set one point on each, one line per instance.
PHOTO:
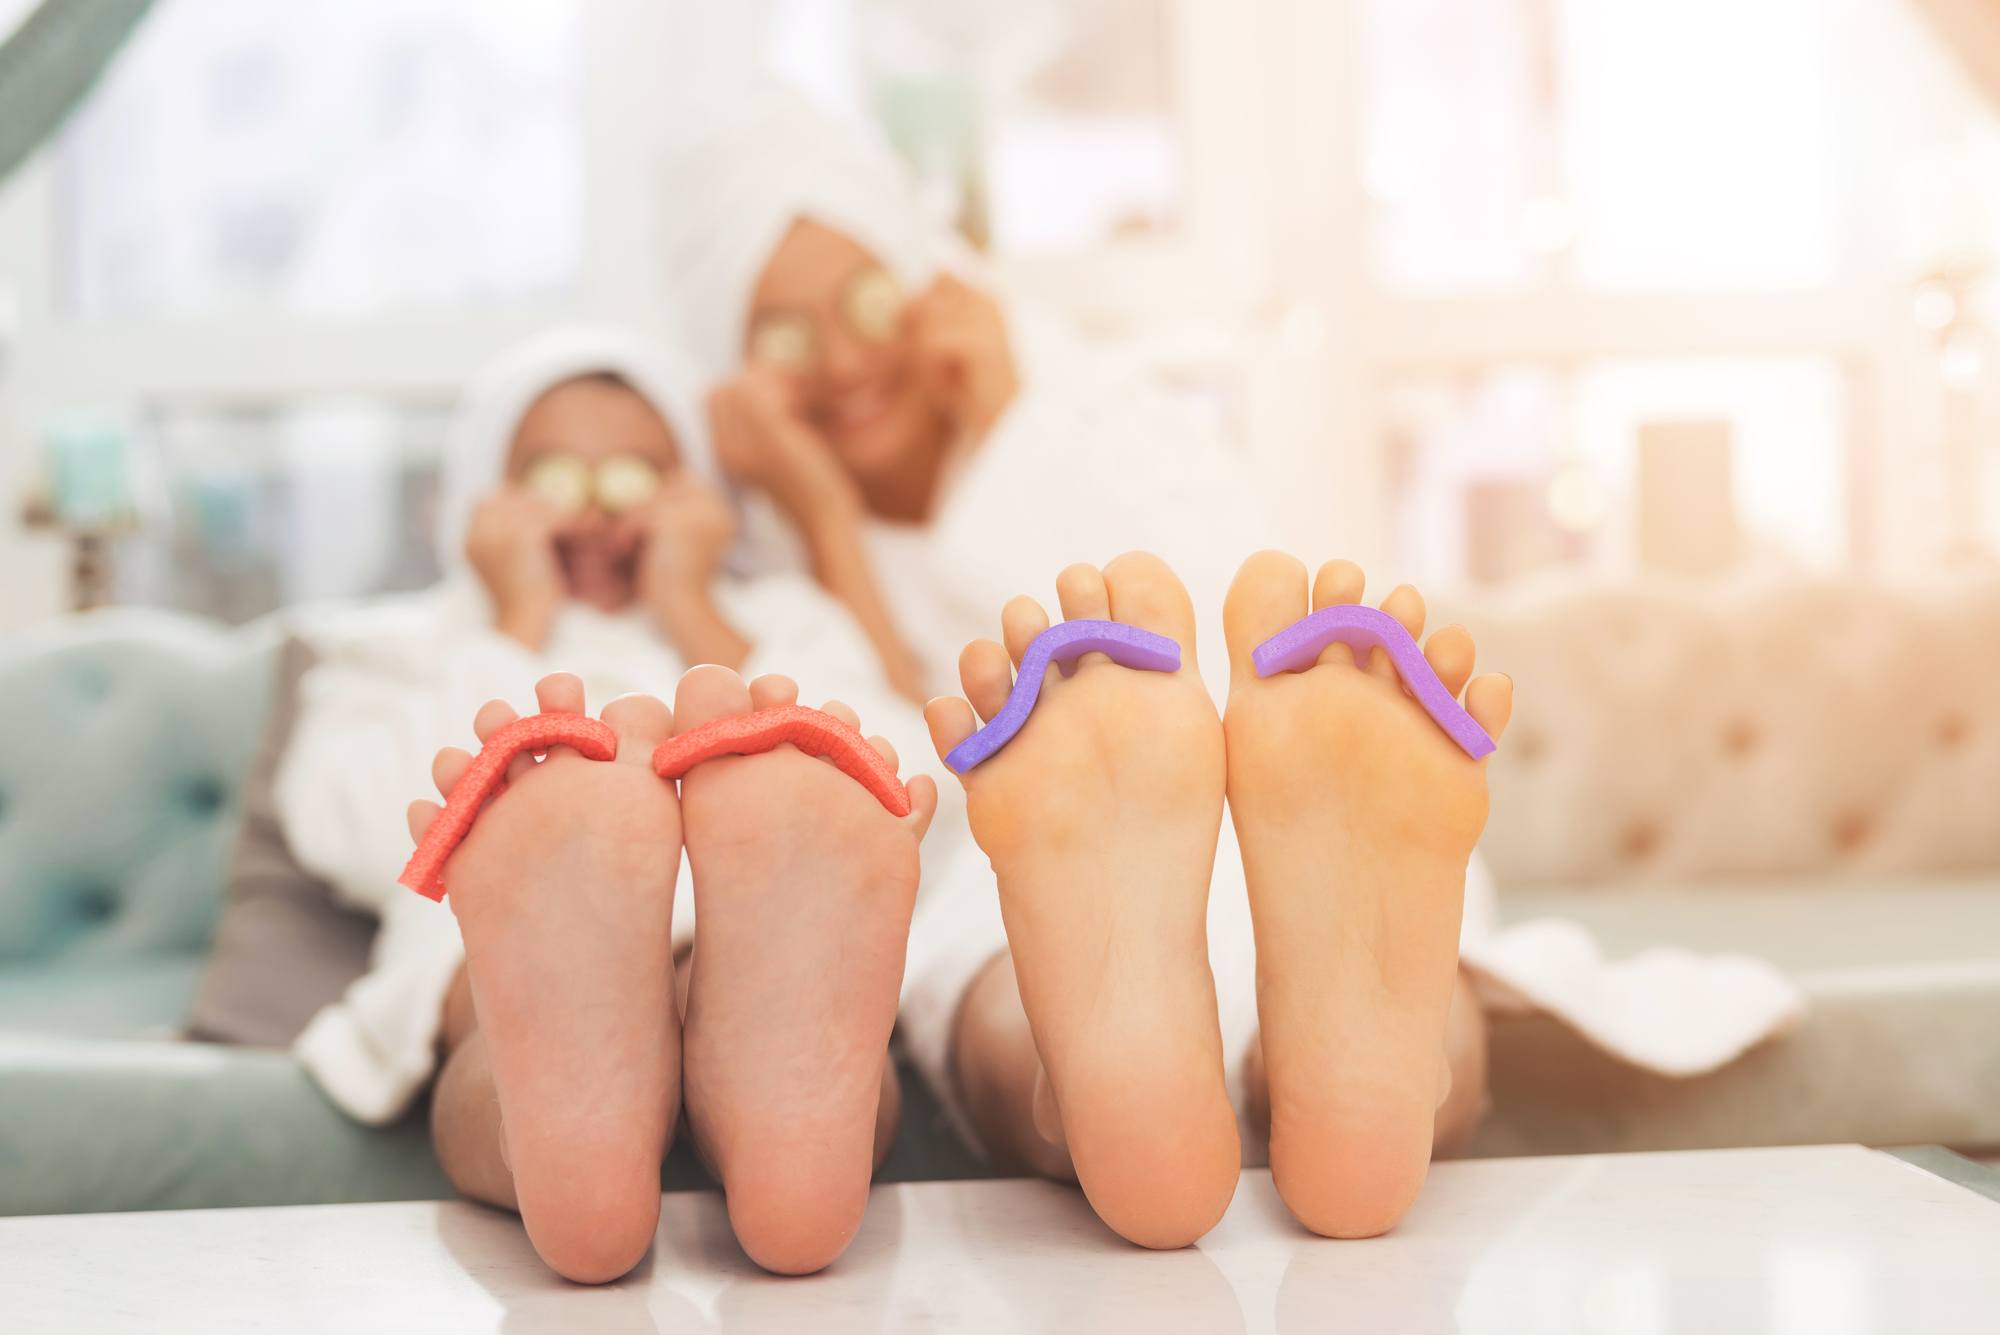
(1608, 145)
(254, 509)
(329, 158)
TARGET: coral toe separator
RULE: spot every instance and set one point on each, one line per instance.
(424, 873)
(1127, 646)
(1363, 628)
(811, 730)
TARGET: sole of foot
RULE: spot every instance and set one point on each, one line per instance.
(1357, 816)
(804, 886)
(564, 894)
(1100, 818)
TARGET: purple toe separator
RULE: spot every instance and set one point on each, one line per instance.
(1363, 628)
(1128, 646)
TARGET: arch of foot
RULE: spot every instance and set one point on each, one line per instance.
(1768, 728)
(126, 739)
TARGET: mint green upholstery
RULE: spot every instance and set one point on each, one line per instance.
(126, 735)
(123, 738)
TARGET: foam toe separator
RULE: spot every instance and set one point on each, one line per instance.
(1065, 642)
(1363, 628)
(424, 873)
(811, 730)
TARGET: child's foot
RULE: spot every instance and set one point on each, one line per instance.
(803, 890)
(1357, 816)
(564, 893)
(1100, 818)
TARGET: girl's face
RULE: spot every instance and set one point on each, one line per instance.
(828, 314)
(593, 448)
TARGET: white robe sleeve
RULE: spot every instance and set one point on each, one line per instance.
(359, 753)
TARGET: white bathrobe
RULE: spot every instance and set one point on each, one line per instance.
(400, 677)
(1084, 465)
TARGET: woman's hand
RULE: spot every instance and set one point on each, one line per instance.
(510, 545)
(762, 442)
(962, 351)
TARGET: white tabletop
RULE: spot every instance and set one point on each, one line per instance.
(1830, 1240)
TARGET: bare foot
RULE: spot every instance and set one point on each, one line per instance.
(1100, 818)
(564, 892)
(1357, 816)
(804, 886)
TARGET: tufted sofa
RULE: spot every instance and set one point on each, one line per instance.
(123, 738)
(1810, 772)
(1806, 771)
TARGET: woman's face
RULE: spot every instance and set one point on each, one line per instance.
(827, 313)
(592, 420)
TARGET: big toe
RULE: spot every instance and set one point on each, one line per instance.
(1144, 591)
(642, 722)
(708, 692)
(1268, 594)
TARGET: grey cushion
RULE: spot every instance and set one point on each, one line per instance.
(1902, 978)
(284, 948)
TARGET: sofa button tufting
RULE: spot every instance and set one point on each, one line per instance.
(1850, 831)
(96, 903)
(203, 794)
(92, 680)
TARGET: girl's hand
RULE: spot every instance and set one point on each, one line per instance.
(962, 351)
(510, 545)
(682, 532)
(762, 442)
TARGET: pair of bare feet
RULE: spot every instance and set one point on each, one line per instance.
(1356, 816)
(564, 894)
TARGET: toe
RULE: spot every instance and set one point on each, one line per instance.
(950, 721)
(1267, 595)
(1337, 583)
(448, 767)
(887, 750)
(773, 691)
(557, 693)
(1449, 652)
(1146, 592)
(842, 712)
(985, 674)
(641, 721)
(1080, 589)
(708, 692)
(421, 813)
(923, 803)
(1021, 620)
(492, 716)
(560, 693)
(1406, 605)
(1490, 701)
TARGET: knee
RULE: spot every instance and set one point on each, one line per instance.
(598, 1239)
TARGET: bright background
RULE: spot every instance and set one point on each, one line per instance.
(1483, 291)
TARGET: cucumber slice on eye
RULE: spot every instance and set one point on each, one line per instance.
(873, 305)
(624, 481)
(784, 339)
(562, 480)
